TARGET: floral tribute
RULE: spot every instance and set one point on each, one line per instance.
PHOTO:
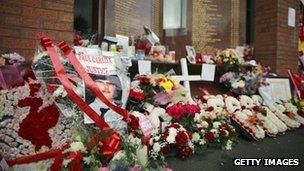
(13, 71)
(212, 125)
(157, 89)
(30, 122)
(246, 81)
(229, 58)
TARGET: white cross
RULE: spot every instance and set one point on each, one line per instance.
(186, 78)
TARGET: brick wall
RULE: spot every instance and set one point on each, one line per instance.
(22, 20)
(275, 42)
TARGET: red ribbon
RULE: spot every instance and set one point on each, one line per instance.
(110, 145)
(57, 154)
(59, 69)
(76, 164)
(88, 80)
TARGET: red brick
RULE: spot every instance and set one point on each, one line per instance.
(31, 3)
(67, 1)
(5, 9)
(20, 43)
(33, 34)
(21, 21)
(40, 13)
(64, 26)
(58, 6)
(67, 36)
(66, 16)
(7, 32)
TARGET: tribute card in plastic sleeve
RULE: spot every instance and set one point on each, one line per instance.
(103, 70)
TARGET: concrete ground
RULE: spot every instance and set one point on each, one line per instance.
(290, 145)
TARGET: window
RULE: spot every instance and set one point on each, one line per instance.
(174, 14)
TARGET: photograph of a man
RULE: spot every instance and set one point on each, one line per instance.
(110, 86)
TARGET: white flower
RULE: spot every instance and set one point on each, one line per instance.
(170, 139)
(241, 84)
(134, 140)
(60, 92)
(66, 162)
(197, 117)
(215, 132)
(135, 84)
(204, 124)
(119, 155)
(142, 155)
(234, 85)
(137, 114)
(216, 125)
(76, 146)
(156, 147)
(228, 145)
(202, 142)
(195, 137)
(87, 160)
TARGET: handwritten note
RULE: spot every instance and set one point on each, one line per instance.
(144, 67)
(208, 72)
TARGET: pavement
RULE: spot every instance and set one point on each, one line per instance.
(289, 145)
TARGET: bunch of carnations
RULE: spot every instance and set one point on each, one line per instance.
(214, 133)
(183, 113)
(174, 139)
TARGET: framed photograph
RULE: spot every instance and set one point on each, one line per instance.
(280, 87)
(190, 51)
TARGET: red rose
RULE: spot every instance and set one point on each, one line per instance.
(176, 111)
(164, 136)
(185, 152)
(210, 109)
(224, 133)
(165, 150)
(136, 95)
(255, 108)
(209, 136)
(192, 109)
(175, 125)
(51, 88)
(134, 123)
(144, 80)
(181, 138)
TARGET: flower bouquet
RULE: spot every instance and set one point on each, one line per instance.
(229, 58)
(13, 71)
(157, 89)
(213, 124)
(174, 139)
(246, 81)
(142, 43)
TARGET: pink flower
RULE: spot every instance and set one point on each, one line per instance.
(104, 169)
(135, 168)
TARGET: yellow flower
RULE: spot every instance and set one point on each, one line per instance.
(167, 85)
(302, 103)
